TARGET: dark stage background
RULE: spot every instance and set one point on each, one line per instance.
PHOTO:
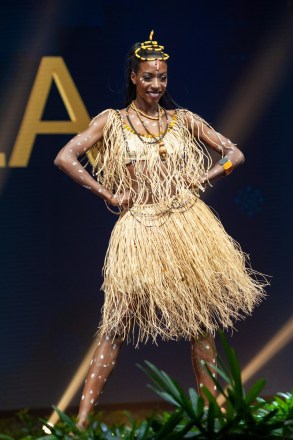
(231, 62)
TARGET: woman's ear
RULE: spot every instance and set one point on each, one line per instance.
(133, 77)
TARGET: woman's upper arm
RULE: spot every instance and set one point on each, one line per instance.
(212, 138)
(83, 141)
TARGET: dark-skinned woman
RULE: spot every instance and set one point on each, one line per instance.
(171, 270)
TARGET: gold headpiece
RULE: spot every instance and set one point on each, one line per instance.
(151, 46)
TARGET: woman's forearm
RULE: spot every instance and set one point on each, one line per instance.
(234, 156)
(67, 161)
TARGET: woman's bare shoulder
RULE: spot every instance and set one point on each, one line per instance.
(171, 112)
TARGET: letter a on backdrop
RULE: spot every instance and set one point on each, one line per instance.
(51, 69)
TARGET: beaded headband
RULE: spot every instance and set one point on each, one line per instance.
(151, 46)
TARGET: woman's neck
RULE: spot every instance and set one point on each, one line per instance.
(146, 107)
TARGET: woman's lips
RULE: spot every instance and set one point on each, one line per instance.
(154, 95)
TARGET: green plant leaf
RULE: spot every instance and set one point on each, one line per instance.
(193, 398)
(169, 426)
(211, 419)
(234, 366)
(254, 391)
(6, 437)
(47, 437)
(181, 433)
(219, 386)
(65, 418)
(143, 431)
(162, 379)
(219, 371)
(166, 396)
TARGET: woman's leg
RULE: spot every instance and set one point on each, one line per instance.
(101, 366)
(203, 350)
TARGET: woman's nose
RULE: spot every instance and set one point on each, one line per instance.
(155, 82)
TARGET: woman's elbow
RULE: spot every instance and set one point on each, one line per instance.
(57, 161)
(241, 158)
(60, 161)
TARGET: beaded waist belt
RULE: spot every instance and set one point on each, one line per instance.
(155, 214)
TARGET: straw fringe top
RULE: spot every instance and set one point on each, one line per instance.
(187, 158)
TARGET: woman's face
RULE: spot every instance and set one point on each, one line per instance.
(150, 81)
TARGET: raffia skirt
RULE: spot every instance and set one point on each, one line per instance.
(175, 273)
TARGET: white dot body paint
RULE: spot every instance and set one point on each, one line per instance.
(92, 375)
(201, 385)
(91, 391)
(80, 171)
(207, 347)
(102, 356)
(82, 397)
(92, 401)
(74, 164)
(95, 124)
(202, 361)
(87, 187)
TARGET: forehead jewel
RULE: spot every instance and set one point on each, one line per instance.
(151, 46)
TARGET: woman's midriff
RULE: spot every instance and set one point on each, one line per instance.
(146, 195)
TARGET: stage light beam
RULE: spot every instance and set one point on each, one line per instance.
(74, 384)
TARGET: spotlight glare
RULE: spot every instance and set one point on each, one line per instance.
(73, 386)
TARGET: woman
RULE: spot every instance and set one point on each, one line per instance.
(171, 270)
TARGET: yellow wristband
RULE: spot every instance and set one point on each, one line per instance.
(228, 167)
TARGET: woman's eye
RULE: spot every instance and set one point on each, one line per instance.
(163, 78)
(146, 78)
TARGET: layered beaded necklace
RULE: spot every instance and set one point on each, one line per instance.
(157, 138)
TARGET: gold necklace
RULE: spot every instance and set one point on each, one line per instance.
(155, 118)
(158, 137)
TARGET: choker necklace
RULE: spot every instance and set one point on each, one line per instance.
(158, 139)
(154, 118)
